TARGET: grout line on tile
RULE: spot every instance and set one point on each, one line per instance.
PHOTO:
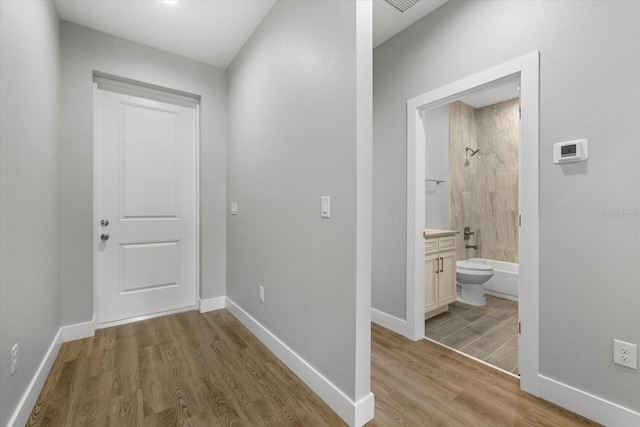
(495, 307)
(486, 333)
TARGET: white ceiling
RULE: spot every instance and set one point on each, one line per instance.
(209, 31)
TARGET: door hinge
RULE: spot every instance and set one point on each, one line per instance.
(520, 220)
(519, 328)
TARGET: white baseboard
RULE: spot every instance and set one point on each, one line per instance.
(392, 323)
(28, 401)
(211, 304)
(64, 334)
(79, 331)
(353, 413)
(593, 407)
(363, 411)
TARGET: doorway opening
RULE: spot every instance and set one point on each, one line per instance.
(146, 201)
(524, 70)
(472, 173)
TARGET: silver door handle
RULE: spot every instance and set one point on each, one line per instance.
(441, 264)
(437, 265)
(104, 236)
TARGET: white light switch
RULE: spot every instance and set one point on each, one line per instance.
(234, 208)
(325, 207)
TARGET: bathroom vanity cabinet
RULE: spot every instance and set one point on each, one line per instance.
(439, 273)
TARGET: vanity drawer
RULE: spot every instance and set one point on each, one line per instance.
(430, 246)
(446, 243)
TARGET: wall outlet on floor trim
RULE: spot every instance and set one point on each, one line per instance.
(14, 358)
(625, 354)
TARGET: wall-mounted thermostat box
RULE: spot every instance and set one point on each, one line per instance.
(571, 151)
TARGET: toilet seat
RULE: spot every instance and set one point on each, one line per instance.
(472, 266)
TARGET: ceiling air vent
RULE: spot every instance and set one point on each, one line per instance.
(401, 5)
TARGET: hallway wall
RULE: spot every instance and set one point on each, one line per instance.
(29, 112)
(588, 89)
(299, 129)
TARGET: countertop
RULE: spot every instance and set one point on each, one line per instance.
(430, 233)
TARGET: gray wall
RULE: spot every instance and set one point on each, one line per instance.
(292, 139)
(29, 284)
(436, 127)
(589, 212)
(83, 51)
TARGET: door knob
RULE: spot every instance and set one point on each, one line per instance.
(104, 222)
(104, 236)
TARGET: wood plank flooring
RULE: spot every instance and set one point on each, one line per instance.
(488, 333)
(193, 369)
(424, 384)
(188, 369)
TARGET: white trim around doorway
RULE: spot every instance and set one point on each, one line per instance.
(526, 68)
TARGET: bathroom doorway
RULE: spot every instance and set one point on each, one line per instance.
(524, 70)
(472, 171)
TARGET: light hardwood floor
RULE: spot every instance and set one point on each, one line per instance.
(208, 370)
(424, 384)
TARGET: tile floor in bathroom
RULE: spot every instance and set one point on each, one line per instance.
(487, 333)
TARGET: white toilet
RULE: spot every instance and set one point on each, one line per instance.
(470, 276)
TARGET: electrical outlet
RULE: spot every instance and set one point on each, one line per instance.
(625, 354)
(14, 358)
(261, 293)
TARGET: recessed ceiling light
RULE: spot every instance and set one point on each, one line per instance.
(170, 1)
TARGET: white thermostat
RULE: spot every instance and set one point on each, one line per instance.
(571, 151)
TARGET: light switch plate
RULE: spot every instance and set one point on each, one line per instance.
(14, 358)
(234, 208)
(325, 207)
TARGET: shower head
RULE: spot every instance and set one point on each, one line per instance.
(473, 152)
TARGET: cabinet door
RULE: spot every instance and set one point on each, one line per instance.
(430, 282)
(447, 278)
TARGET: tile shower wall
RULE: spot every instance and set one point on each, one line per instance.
(484, 188)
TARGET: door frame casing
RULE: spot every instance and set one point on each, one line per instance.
(527, 67)
(157, 93)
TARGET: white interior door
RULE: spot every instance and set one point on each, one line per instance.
(146, 190)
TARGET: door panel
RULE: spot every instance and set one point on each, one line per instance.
(134, 259)
(146, 189)
(430, 283)
(149, 158)
(447, 283)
